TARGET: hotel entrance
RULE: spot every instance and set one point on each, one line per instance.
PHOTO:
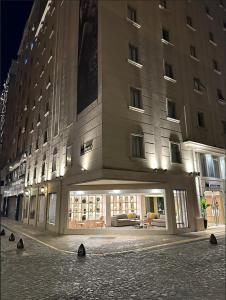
(215, 211)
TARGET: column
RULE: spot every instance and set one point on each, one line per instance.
(107, 210)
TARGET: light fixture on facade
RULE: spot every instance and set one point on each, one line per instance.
(42, 189)
(27, 193)
(116, 192)
(194, 173)
(83, 169)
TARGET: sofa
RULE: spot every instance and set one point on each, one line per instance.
(160, 221)
(125, 220)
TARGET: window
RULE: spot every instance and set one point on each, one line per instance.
(68, 155)
(171, 109)
(215, 65)
(197, 84)
(201, 122)
(165, 34)
(209, 165)
(169, 70)
(180, 203)
(123, 204)
(189, 21)
(193, 51)
(54, 160)
(45, 136)
(52, 209)
(131, 14)
(85, 208)
(46, 109)
(85, 147)
(137, 146)
(219, 95)
(43, 169)
(224, 126)
(208, 12)
(175, 152)
(38, 119)
(135, 97)
(224, 25)
(37, 141)
(162, 4)
(211, 37)
(133, 53)
(35, 170)
(221, 3)
(29, 150)
(43, 165)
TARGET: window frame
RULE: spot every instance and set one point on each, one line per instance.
(201, 124)
(179, 161)
(132, 136)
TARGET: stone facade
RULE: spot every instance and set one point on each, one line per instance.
(92, 152)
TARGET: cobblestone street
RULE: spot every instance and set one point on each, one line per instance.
(187, 271)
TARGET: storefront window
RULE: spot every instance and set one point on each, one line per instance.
(210, 165)
(52, 209)
(42, 204)
(32, 207)
(180, 203)
(123, 204)
(83, 208)
(223, 167)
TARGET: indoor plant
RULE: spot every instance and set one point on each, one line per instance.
(204, 206)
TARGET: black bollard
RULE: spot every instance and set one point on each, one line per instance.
(3, 232)
(213, 239)
(11, 237)
(81, 251)
(20, 244)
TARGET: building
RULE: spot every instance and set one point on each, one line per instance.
(120, 113)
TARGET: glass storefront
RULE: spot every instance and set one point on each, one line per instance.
(180, 202)
(85, 211)
(140, 210)
(52, 209)
(123, 204)
(42, 206)
(215, 210)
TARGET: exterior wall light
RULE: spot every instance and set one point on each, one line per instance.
(42, 190)
(194, 173)
(83, 169)
(27, 193)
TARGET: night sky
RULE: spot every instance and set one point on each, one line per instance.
(14, 14)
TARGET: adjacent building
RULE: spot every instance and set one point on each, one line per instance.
(118, 117)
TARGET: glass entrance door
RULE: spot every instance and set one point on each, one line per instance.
(215, 211)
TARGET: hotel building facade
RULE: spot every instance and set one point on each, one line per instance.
(116, 114)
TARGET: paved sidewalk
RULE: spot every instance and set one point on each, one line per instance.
(105, 244)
